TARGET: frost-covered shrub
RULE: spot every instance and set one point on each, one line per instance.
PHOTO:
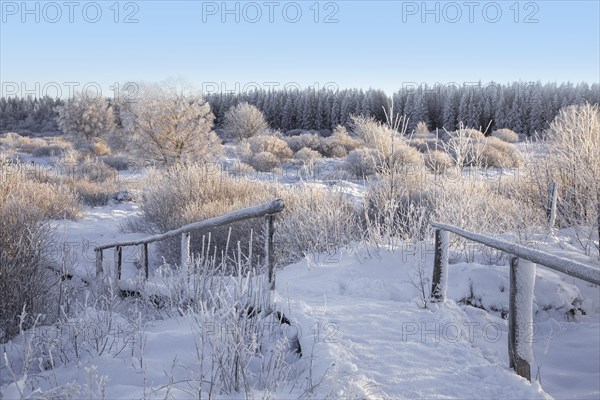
(120, 163)
(167, 127)
(50, 150)
(183, 194)
(506, 135)
(271, 144)
(404, 155)
(264, 161)
(86, 117)
(375, 134)
(244, 120)
(573, 161)
(309, 140)
(496, 153)
(25, 207)
(421, 129)
(339, 144)
(315, 220)
(437, 161)
(305, 154)
(364, 162)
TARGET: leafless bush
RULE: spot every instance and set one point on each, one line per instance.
(182, 194)
(315, 220)
(364, 162)
(438, 161)
(339, 144)
(497, 154)
(25, 239)
(307, 155)
(264, 161)
(271, 144)
(309, 140)
(421, 128)
(244, 120)
(506, 135)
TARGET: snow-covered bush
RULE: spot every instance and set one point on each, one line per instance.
(307, 155)
(495, 153)
(339, 144)
(308, 140)
(506, 135)
(375, 134)
(244, 120)
(437, 161)
(182, 194)
(25, 207)
(264, 161)
(315, 220)
(421, 129)
(271, 144)
(575, 162)
(363, 162)
(86, 117)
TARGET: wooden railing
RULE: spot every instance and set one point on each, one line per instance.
(267, 210)
(522, 279)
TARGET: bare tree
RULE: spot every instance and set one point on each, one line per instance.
(169, 127)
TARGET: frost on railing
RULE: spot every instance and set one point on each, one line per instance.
(266, 210)
(522, 279)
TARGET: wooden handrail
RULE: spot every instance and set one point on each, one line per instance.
(270, 208)
(572, 268)
(522, 280)
(266, 210)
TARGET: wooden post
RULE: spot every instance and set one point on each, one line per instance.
(99, 260)
(145, 259)
(440, 267)
(552, 200)
(118, 260)
(269, 249)
(185, 251)
(520, 316)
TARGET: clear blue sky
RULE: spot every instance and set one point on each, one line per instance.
(379, 44)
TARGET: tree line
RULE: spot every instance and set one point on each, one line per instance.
(524, 107)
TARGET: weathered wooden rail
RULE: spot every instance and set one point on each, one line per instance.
(522, 279)
(267, 211)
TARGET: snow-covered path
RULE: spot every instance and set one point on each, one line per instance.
(367, 325)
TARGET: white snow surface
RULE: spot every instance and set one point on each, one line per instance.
(363, 327)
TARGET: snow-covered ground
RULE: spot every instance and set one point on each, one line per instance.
(363, 329)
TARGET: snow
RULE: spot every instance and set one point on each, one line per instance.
(365, 320)
(362, 325)
(524, 280)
